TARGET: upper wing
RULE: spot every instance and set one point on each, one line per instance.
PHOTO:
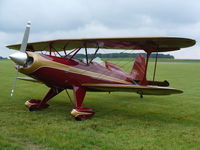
(153, 44)
(144, 90)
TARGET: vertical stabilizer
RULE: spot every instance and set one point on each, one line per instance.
(138, 70)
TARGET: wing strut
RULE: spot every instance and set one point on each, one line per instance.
(155, 66)
(95, 53)
(76, 51)
(71, 52)
(50, 49)
(56, 51)
(86, 54)
(64, 48)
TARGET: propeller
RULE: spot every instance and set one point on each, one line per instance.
(20, 57)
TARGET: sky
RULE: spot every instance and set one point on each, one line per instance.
(55, 19)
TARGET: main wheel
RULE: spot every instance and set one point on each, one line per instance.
(33, 109)
(80, 119)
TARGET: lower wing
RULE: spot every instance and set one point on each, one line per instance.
(28, 79)
(142, 90)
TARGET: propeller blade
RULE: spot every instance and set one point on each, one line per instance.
(20, 57)
(25, 38)
(14, 82)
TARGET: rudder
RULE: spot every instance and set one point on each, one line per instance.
(138, 70)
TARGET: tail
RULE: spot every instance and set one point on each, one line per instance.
(138, 70)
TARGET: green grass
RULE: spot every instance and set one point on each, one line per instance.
(122, 121)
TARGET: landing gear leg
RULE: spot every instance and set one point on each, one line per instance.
(34, 104)
(80, 112)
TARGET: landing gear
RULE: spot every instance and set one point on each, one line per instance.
(34, 104)
(141, 94)
(82, 113)
(79, 112)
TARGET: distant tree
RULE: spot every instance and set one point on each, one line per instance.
(2, 57)
(124, 55)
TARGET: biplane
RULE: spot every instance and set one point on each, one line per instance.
(59, 70)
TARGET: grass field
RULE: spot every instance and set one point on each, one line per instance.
(122, 121)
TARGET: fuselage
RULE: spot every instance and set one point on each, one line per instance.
(64, 72)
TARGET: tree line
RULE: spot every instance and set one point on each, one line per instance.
(119, 55)
(2, 57)
(124, 55)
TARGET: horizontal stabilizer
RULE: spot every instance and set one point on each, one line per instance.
(159, 83)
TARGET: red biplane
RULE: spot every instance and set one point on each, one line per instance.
(66, 72)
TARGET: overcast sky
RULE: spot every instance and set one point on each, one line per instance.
(52, 19)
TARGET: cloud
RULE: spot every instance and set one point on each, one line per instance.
(106, 18)
(69, 15)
